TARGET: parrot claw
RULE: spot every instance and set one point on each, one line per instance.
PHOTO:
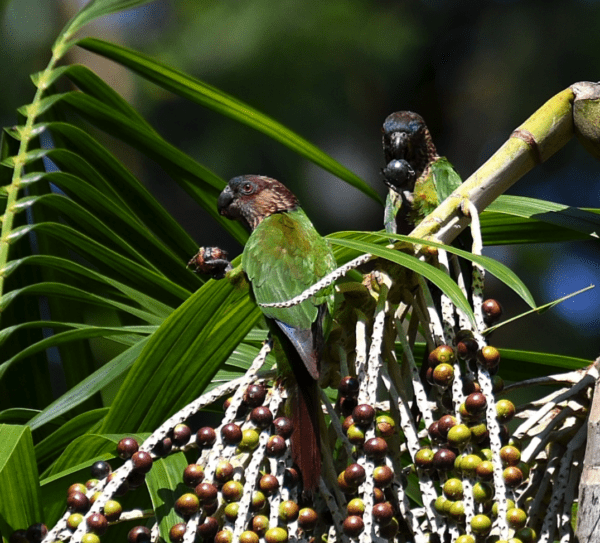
(212, 261)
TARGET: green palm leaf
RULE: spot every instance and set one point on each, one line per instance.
(212, 98)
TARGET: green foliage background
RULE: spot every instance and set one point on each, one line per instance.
(100, 318)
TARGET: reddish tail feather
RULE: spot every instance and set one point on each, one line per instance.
(305, 439)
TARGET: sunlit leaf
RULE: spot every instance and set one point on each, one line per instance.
(51, 446)
(503, 273)
(74, 269)
(518, 365)
(183, 355)
(20, 505)
(165, 486)
(102, 377)
(110, 262)
(437, 277)
(119, 187)
(199, 182)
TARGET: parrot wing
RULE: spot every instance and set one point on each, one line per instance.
(284, 256)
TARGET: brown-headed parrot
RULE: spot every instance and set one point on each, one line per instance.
(283, 257)
(418, 178)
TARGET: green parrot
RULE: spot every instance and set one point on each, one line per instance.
(283, 257)
(417, 177)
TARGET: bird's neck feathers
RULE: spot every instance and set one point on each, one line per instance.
(425, 153)
(275, 199)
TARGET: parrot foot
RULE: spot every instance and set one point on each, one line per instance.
(212, 261)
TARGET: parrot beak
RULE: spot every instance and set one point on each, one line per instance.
(399, 143)
(225, 199)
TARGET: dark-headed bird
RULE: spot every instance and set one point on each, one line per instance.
(283, 257)
(418, 178)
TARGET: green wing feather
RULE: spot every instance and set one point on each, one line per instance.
(445, 178)
(437, 182)
(393, 203)
(283, 257)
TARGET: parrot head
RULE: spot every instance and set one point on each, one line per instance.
(252, 198)
(406, 138)
(402, 132)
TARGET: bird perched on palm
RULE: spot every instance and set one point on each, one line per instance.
(283, 257)
(417, 177)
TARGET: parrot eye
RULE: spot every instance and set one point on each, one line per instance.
(247, 188)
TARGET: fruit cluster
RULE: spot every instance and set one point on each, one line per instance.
(411, 454)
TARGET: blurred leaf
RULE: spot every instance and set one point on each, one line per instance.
(109, 261)
(199, 182)
(516, 219)
(97, 8)
(540, 309)
(93, 85)
(212, 98)
(20, 505)
(17, 415)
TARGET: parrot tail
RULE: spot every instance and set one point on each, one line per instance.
(305, 439)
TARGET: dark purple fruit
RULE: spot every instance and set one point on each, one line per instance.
(268, 484)
(283, 427)
(353, 526)
(383, 513)
(255, 395)
(193, 475)
(181, 435)
(206, 437)
(276, 446)
(363, 414)
(376, 448)
(97, 523)
(127, 447)
(354, 475)
(232, 434)
(261, 416)
(101, 469)
(142, 462)
(443, 459)
(139, 534)
(349, 386)
(492, 311)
